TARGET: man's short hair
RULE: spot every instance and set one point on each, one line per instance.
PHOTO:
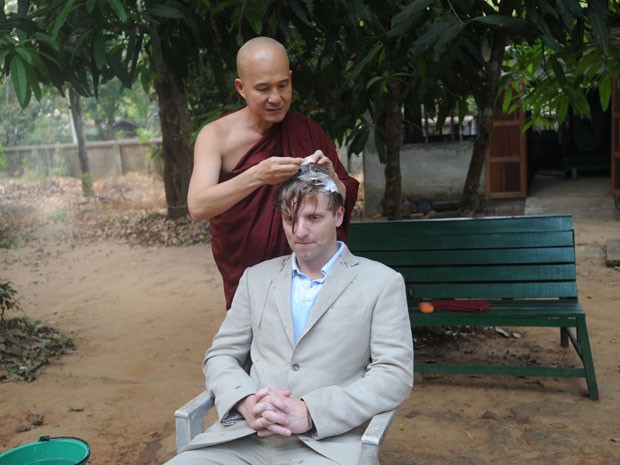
(310, 180)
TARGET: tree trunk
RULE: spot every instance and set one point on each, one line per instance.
(413, 121)
(469, 197)
(176, 135)
(78, 125)
(392, 199)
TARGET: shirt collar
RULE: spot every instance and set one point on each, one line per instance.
(326, 268)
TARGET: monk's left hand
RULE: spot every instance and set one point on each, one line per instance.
(320, 158)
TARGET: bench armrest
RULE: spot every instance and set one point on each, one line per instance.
(189, 422)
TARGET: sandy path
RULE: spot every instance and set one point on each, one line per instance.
(143, 317)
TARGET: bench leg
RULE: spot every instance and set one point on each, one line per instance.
(586, 357)
(564, 337)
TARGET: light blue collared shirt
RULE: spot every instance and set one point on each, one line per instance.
(304, 291)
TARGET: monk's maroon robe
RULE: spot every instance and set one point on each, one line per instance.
(251, 231)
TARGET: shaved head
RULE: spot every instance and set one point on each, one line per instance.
(264, 81)
(259, 49)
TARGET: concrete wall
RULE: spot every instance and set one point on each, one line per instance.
(106, 159)
(434, 171)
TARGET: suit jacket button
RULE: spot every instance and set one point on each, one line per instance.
(295, 367)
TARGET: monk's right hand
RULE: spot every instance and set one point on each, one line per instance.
(276, 170)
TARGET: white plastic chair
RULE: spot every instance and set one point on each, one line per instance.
(189, 421)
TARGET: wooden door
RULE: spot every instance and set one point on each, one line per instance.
(506, 162)
(615, 138)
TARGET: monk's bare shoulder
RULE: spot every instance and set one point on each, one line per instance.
(218, 131)
(228, 138)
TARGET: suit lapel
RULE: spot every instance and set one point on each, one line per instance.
(341, 275)
(282, 297)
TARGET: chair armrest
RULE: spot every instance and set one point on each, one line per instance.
(189, 422)
(373, 437)
(189, 419)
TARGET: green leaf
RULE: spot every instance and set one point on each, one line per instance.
(574, 7)
(145, 80)
(19, 78)
(412, 9)
(255, 20)
(600, 29)
(558, 70)
(429, 38)
(598, 7)
(565, 13)
(562, 110)
(62, 17)
(99, 49)
(369, 56)
(299, 12)
(118, 9)
(421, 66)
(579, 103)
(411, 17)
(359, 142)
(372, 81)
(165, 11)
(463, 109)
(155, 48)
(508, 24)
(25, 54)
(36, 89)
(90, 6)
(446, 37)
(547, 36)
(45, 38)
(584, 65)
(507, 100)
(116, 65)
(604, 90)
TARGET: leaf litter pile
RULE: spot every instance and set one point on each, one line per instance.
(26, 346)
(129, 209)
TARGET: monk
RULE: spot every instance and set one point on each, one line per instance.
(241, 158)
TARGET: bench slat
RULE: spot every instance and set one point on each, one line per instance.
(470, 257)
(511, 290)
(463, 274)
(404, 241)
(451, 226)
(566, 372)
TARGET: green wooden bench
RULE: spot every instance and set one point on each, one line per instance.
(524, 265)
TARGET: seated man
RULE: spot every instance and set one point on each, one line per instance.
(326, 337)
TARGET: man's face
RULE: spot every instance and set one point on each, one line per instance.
(266, 86)
(314, 237)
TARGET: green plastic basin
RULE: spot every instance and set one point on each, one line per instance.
(48, 451)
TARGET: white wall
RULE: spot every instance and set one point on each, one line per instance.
(434, 171)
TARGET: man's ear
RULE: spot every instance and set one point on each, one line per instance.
(239, 87)
(339, 216)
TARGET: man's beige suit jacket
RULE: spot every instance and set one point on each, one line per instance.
(353, 360)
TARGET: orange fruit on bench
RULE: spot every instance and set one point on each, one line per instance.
(426, 307)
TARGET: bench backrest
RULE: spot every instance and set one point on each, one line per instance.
(482, 258)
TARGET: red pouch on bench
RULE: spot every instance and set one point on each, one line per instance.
(462, 305)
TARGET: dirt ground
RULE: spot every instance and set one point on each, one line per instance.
(142, 313)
